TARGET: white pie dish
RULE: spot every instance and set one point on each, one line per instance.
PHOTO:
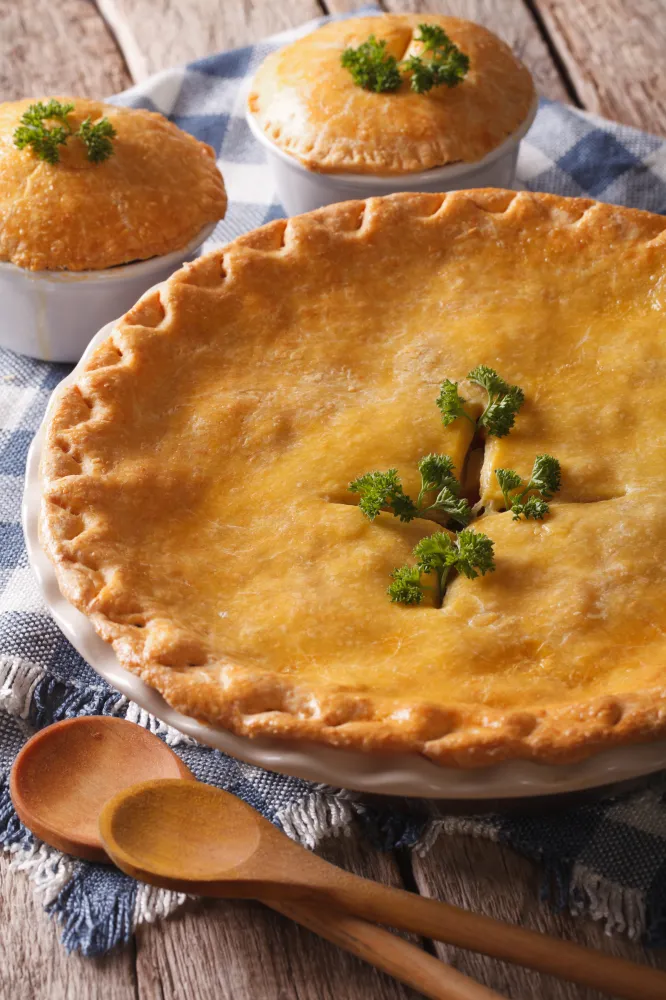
(301, 190)
(389, 774)
(51, 315)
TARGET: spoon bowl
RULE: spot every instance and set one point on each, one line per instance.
(146, 829)
(63, 776)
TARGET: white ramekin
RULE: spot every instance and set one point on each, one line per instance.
(52, 315)
(301, 190)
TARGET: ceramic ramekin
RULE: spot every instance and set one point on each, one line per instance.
(302, 190)
(52, 315)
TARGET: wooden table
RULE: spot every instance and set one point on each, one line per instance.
(604, 55)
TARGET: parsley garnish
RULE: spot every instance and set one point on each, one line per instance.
(373, 68)
(469, 553)
(447, 65)
(32, 131)
(97, 138)
(504, 401)
(383, 490)
(531, 499)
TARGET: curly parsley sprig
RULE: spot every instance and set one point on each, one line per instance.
(383, 491)
(469, 553)
(374, 68)
(45, 142)
(447, 64)
(530, 500)
(504, 401)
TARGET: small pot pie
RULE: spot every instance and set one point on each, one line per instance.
(195, 479)
(306, 102)
(152, 196)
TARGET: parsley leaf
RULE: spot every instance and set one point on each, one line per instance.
(531, 500)
(508, 480)
(406, 587)
(32, 131)
(97, 138)
(448, 502)
(383, 489)
(546, 476)
(372, 67)
(504, 400)
(533, 508)
(475, 554)
(447, 65)
(470, 553)
(436, 472)
(451, 404)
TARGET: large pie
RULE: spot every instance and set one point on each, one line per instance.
(196, 474)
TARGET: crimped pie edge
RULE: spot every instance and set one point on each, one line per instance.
(247, 706)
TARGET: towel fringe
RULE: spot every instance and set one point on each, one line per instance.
(321, 814)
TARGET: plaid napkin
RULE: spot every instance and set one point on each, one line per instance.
(606, 859)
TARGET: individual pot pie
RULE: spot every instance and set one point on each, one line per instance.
(153, 194)
(308, 104)
(196, 499)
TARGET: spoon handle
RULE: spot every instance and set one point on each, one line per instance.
(433, 919)
(386, 951)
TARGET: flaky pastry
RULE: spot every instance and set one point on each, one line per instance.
(195, 478)
(152, 196)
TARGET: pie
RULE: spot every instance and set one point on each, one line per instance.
(195, 478)
(307, 103)
(152, 196)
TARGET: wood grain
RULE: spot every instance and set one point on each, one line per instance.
(239, 950)
(614, 53)
(513, 22)
(58, 48)
(34, 964)
(487, 878)
(156, 34)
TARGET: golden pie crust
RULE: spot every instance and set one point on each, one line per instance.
(308, 104)
(152, 196)
(195, 500)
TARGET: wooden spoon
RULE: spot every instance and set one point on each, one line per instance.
(198, 839)
(64, 775)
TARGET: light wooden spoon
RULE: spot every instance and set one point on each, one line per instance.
(195, 838)
(63, 776)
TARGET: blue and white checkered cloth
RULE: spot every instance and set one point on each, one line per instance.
(607, 859)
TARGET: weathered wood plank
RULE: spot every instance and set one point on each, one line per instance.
(57, 48)
(491, 879)
(237, 950)
(34, 964)
(157, 34)
(614, 54)
(512, 22)
(344, 6)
